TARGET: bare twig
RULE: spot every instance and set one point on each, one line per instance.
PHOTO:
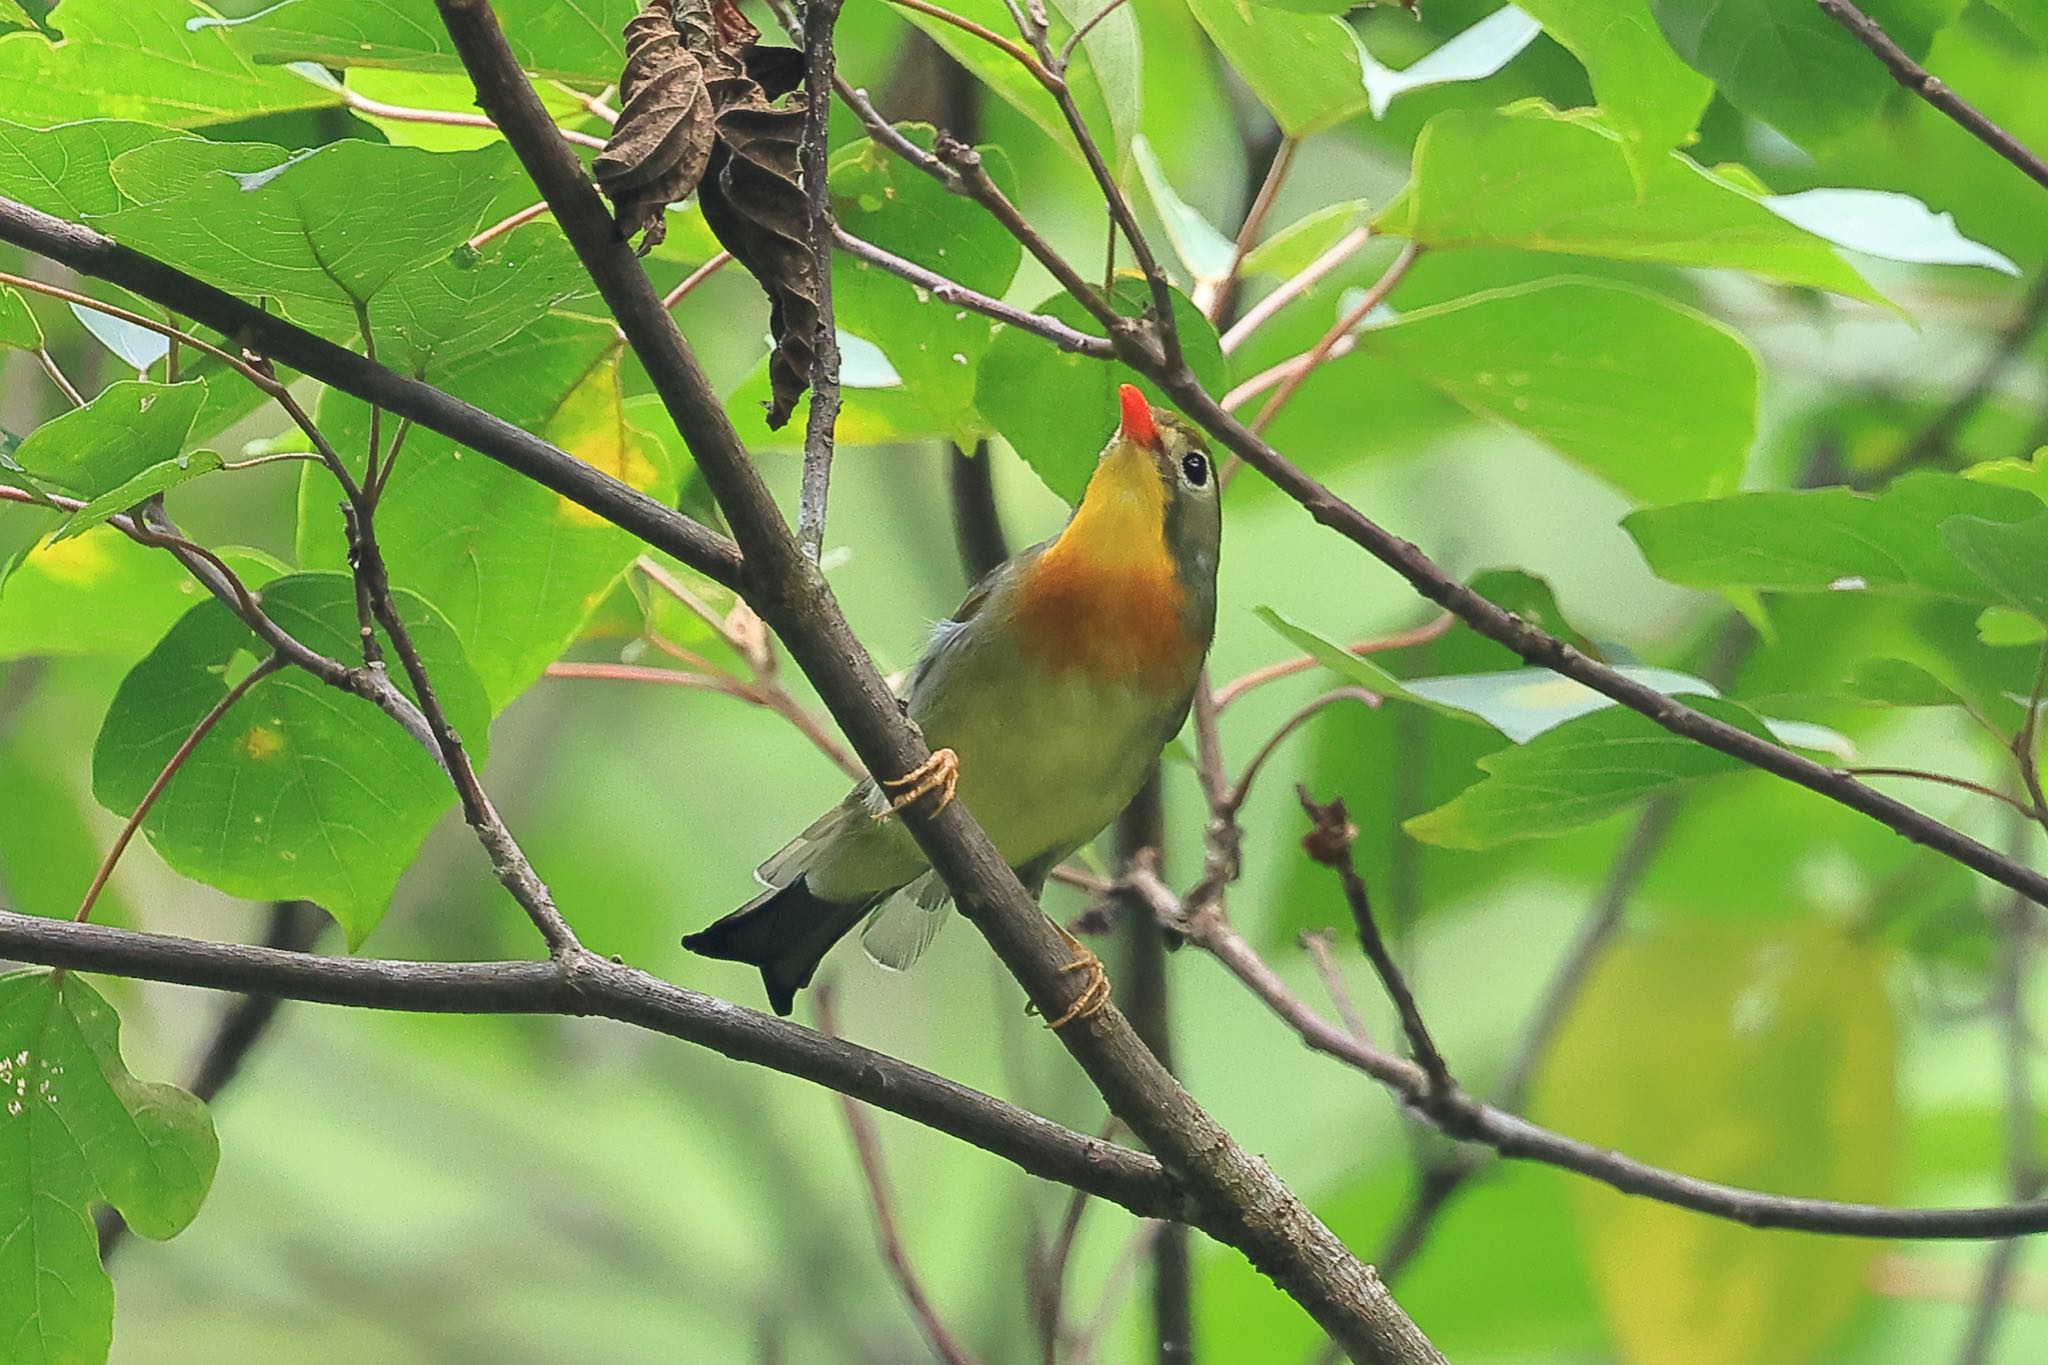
(948, 291)
(697, 277)
(598, 986)
(449, 118)
(1329, 843)
(1930, 88)
(58, 377)
(982, 33)
(1306, 364)
(1292, 288)
(867, 1147)
(1218, 298)
(819, 17)
(509, 222)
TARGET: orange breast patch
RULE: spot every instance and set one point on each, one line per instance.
(1116, 621)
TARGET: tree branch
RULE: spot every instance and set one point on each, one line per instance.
(598, 987)
(1930, 88)
(97, 255)
(1244, 1202)
(819, 17)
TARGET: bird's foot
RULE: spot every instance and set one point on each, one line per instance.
(940, 773)
(1094, 992)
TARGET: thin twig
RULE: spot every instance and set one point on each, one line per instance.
(1066, 52)
(949, 291)
(982, 33)
(1292, 288)
(1930, 88)
(269, 665)
(1948, 780)
(867, 1148)
(816, 484)
(448, 118)
(695, 278)
(1218, 298)
(1306, 364)
(1317, 944)
(506, 224)
(1116, 1285)
(1234, 801)
(1329, 842)
(57, 377)
(599, 986)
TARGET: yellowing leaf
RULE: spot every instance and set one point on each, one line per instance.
(591, 425)
(1755, 1055)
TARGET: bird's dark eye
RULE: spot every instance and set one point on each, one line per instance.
(1194, 467)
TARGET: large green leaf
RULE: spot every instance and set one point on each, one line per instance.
(934, 346)
(514, 566)
(68, 170)
(1056, 408)
(140, 59)
(1586, 368)
(1828, 539)
(1583, 771)
(1770, 1065)
(1540, 181)
(320, 232)
(575, 40)
(1303, 67)
(1650, 97)
(128, 427)
(302, 791)
(1787, 63)
(438, 315)
(76, 1130)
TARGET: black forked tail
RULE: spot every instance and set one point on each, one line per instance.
(785, 932)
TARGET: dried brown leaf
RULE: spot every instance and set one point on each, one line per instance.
(661, 146)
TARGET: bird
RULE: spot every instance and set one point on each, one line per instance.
(1046, 699)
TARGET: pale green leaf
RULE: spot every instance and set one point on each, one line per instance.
(18, 328)
(128, 427)
(1646, 93)
(573, 40)
(1472, 55)
(1896, 227)
(1303, 67)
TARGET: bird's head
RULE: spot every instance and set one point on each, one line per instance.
(1154, 492)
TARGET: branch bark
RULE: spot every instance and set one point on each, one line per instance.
(595, 986)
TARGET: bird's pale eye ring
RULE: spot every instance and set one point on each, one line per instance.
(1194, 467)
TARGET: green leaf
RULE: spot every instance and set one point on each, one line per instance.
(1581, 772)
(18, 328)
(572, 40)
(130, 426)
(301, 791)
(935, 347)
(156, 479)
(1533, 179)
(76, 1130)
(49, 850)
(1828, 539)
(438, 315)
(140, 59)
(68, 170)
(1585, 368)
(1472, 55)
(2028, 16)
(2010, 557)
(1056, 408)
(319, 232)
(1296, 246)
(99, 593)
(514, 566)
(1787, 63)
(1900, 682)
(1788, 1085)
(1646, 93)
(1303, 67)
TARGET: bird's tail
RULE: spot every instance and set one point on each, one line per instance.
(786, 932)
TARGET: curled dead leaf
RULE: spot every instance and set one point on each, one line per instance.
(661, 145)
(706, 108)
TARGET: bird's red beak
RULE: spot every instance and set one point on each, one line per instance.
(1138, 427)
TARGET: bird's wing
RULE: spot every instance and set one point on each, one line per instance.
(993, 585)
